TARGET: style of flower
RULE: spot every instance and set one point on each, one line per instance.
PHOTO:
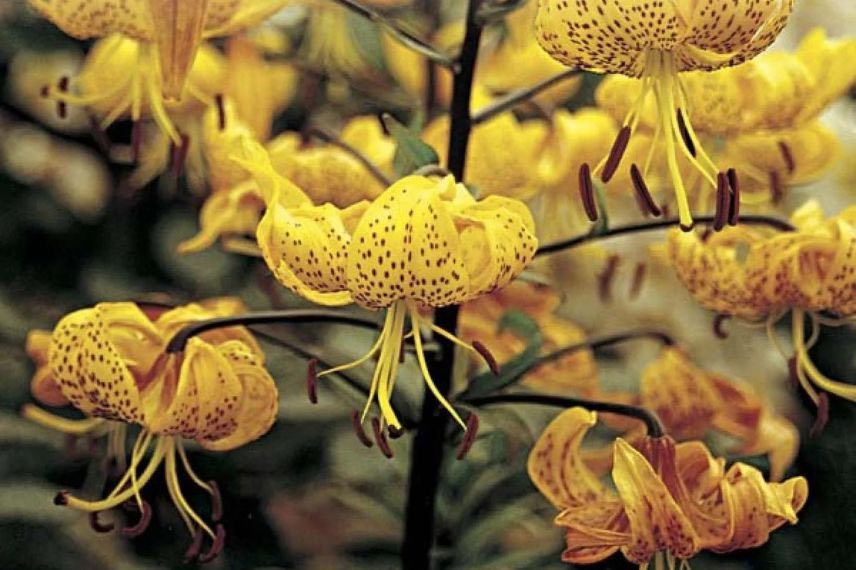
(109, 362)
(422, 243)
(655, 42)
(148, 52)
(757, 274)
(575, 372)
(670, 500)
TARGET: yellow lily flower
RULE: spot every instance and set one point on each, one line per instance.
(319, 174)
(174, 29)
(421, 243)
(670, 500)
(576, 372)
(502, 153)
(655, 43)
(756, 274)
(108, 361)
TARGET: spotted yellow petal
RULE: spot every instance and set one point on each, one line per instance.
(257, 406)
(232, 212)
(43, 386)
(84, 19)
(593, 531)
(178, 32)
(555, 465)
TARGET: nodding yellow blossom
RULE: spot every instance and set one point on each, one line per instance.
(757, 274)
(655, 42)
(421, 243)
(324, 173)
(171, 31)
(501, 155)
(575, 372)
(670, 500)
(108, 361)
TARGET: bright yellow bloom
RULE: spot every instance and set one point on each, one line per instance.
(174, 29)
(655, 42)
(670, 500)
(575, 372)
(757, 273)
(323, 173)
(421, 243)
(501, 156)
(108, 361)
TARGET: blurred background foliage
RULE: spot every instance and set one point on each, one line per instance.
(308, 495)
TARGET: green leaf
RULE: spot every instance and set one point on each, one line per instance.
(410, 153)
(512, 371)
(601, 226)
(493, 10)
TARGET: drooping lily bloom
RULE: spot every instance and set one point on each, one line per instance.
(423, 243)
(757, 274)
(575, 372)
(158, 41)
(323, 173)
(655, 42)
(108, 361)
(670, 500)
(692, 401)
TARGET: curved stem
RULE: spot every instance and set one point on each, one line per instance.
(515, 97)
(602, 341)
(652, 422)
(428, 444)
(570, 243)
(178, 342)
(406, 38)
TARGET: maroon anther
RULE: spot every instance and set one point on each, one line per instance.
(644, 195)
(587, 192)
(734, 184)
(616, 153)
(469, 436)
(142, 524)
(97, 526)
(787, 156)
(221, 111)
(723, 202)
(685, 134)
(686, 227)
(99, 135)
(61, 499)
(216, 501)
(380, 439)
(488, 357)
(822, 415)
(45, 91)
(718, 321)
(312, 380)
(638, 279)
(394, 432)
(606, 277)
(777, 191)
(793, 375)
(136, 140)
(216, 546)
(192, 552)
(61, 106)
(179, 155)
(358, 429)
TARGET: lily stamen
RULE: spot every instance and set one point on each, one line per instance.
(587, 192)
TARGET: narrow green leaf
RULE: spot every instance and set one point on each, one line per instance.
(410, 153)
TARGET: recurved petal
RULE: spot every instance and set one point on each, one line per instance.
(656, 520)
(776, 437)
(172, 321)
(406, 245)
(555, 464)
(225, 17)
(593, 531)
(498, 242)
(91, 356)
(257, 407)
(84, 19)
(307, 249)
(274, 188)
(232, 212)
(43, 386)
(178, 28)
(832, 63)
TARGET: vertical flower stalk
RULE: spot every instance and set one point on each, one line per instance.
(428, 444)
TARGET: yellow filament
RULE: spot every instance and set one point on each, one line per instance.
(374, 388)
(771, 334)
(119, 498)
(190, 472)
(843, 389)
(353, 364)
(451, 337)
(64, 425)
(172, 481)
(242, 246)
(800, 354)
(420, 355)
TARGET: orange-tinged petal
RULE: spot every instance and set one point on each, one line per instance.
(593, 531)
(178, 28)
(555, 465)
(656, 520)
(258, 404)
(84, 19)
(43, 386)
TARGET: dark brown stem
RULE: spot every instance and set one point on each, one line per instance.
(514, 98)
(330, 138)
(573, 242)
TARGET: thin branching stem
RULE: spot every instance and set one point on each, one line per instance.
(514, 98)
(330, 138)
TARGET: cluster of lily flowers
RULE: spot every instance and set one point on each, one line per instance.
(689, 119)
